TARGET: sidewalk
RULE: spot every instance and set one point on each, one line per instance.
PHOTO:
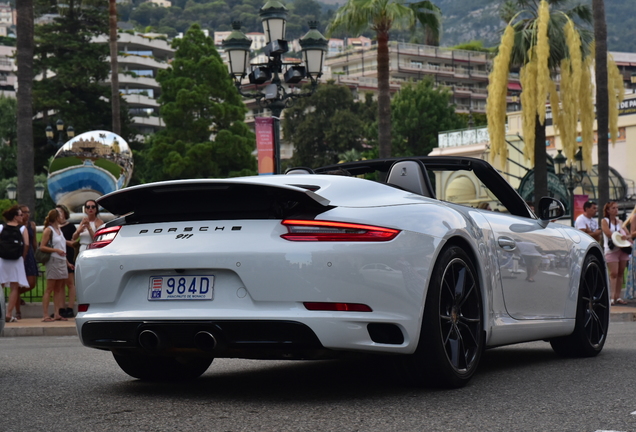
(31, 326)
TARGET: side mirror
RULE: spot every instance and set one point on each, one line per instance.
(549, 209)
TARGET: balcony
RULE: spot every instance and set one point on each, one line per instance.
(139, 62)
(153, 121)
(137, 82)
(140, 101)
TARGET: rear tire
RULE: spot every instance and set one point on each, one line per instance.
(157, 368)
(452, 337)
(592, 314)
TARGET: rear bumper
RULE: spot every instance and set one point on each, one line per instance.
(260, 339)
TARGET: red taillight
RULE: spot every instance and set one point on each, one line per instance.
(83, 307)
(313, 230)
(104, 236)
(339, 307)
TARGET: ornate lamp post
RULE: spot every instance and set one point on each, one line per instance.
(59, 125)
(12, 191)
(274, 95)
(571, 175)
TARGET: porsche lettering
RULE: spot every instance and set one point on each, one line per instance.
(189, 229)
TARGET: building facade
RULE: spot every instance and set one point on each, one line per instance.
(517, 169)
(464, 73)
(140, 58)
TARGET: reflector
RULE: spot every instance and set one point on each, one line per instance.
(339, 307)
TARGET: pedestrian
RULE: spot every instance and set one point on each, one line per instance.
(12, 272)
(68, 229)
(630, 227)
(587, 222)
(56, 266)
(30, 265)
(616, 259)
(89, 225)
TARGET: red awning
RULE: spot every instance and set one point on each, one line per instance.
(514, 86)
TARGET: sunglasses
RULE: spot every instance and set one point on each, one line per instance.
(91, 207)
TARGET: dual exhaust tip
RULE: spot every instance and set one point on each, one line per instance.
(150, 340)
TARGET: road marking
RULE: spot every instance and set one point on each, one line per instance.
(551, 273)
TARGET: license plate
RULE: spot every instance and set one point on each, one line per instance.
(200, 287)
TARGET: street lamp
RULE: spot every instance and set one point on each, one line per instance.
(12, 191)
(39, 191)
(274, 96)
(570, 175)
(59, 125)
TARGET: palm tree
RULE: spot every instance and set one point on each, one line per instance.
(602, 97)
(381, 16)
(24, 47)
(114, 68)
(523, 16)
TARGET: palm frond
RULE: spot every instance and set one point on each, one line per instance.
(429, 15)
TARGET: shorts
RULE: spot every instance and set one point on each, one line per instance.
(616, 255)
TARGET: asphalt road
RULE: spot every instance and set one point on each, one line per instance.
(55, 384)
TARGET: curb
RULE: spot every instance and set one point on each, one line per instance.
(622, 316)
(11, 332)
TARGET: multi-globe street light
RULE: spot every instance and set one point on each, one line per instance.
(275, 96)
(59, 125)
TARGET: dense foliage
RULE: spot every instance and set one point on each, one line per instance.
(328, 124)
(218, 15)
(419, 112)
(205, 134)
(8, 137)
(74, 71)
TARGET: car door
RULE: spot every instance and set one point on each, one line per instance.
(534, 278)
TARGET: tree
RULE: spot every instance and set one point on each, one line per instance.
(544, 43)
(8, 137)
(205, 134)
(323, 126)
(25, 46)
(381, 16)
(419, 111)
(602, 98)
(114, 68)
(75, 71)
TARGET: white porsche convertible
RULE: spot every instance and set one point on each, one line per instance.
(314, 265)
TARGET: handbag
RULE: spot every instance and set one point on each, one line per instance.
(41, 256)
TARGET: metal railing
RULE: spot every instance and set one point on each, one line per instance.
(34, 295)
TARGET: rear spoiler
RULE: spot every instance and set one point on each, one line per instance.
(213, 200)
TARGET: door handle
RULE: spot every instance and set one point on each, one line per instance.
(506, 243)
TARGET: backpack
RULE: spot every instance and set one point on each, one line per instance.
(11, 242)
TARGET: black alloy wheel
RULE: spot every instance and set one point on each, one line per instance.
(460, 315)
(592, 314)
(452, 337)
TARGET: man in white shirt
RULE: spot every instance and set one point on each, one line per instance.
(587, 221)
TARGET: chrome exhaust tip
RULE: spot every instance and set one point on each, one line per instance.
(205, 341)
(149, 340)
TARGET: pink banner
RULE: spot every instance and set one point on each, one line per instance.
(265, 145)
(579, 200)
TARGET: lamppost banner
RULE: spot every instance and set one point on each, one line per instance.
(579, 200)
(265, 145)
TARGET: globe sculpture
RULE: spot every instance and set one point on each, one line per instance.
(89, 166)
